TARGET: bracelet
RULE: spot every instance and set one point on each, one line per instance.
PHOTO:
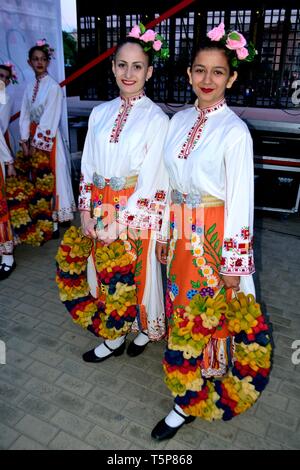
(23, 141)
(82, 212)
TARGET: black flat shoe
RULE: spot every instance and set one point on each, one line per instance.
(55, 235)
(67, 223)
(5, 273)
(163, 431)
(134, 350)
(90, 356)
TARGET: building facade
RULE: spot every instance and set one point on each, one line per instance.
(273, 26)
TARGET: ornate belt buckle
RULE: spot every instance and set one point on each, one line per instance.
(117, 183)
(99, 181)
(177, 197)
(193, 200)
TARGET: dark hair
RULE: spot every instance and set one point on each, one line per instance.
(39, 48)
(208, 44)
(130, 40)
(8, 69)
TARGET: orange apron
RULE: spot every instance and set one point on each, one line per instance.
(106, 203)
(193, 268)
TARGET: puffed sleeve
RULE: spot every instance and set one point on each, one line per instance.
(87, 167)
(145, 207)
(25, 117)
(46, 130)
(237, 251)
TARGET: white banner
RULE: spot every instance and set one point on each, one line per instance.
(22, 23)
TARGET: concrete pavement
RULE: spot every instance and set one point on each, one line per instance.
(51, 399)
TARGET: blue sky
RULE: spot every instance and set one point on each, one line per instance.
(68, 14)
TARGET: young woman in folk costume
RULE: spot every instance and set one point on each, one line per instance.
(7, 265)
(122, 200)
(42, 145)
(7, 75)
(209, 158)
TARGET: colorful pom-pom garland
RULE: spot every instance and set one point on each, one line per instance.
(191, 329)
(30, 205)
(115, 272)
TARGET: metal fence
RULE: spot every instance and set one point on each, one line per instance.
(269, 82)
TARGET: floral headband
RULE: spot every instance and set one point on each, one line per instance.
(150, 41)
(46, 47)
(239, 50)
(13, 73)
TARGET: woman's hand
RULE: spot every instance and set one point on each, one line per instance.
(25, 149)
(11, 170)
(88, 225)
(231, 282)
(161, 251)
(111, 232)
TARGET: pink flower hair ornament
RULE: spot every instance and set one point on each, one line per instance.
(46, 47)
(13, 73)
(238, 50)
(150, 41)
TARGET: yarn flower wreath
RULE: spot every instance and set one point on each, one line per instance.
(41, 204)
(19, 191)
(115, 271)
(31, 205)
(22, 164)
(191, 328)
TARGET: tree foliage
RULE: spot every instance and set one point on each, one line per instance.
(70, 48)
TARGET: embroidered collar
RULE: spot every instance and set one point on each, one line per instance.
(197, 129)
(40, 77)
(125, 108)
(210, 109)
(132, 99)
(37, 85)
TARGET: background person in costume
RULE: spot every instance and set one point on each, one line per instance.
(7, 265)
(123, 174)
(209, 158)
(42, 144)
(7, 76)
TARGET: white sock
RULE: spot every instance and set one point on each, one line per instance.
(55, 226)
(141, 339)
(173, 419)
(102, 350)
(8, 260)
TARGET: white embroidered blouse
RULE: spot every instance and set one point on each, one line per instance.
(212, 154)
(5, 113)
(42, 104)
(5, 155)
(126, 137)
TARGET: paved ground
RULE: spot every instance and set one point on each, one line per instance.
(50, 399)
